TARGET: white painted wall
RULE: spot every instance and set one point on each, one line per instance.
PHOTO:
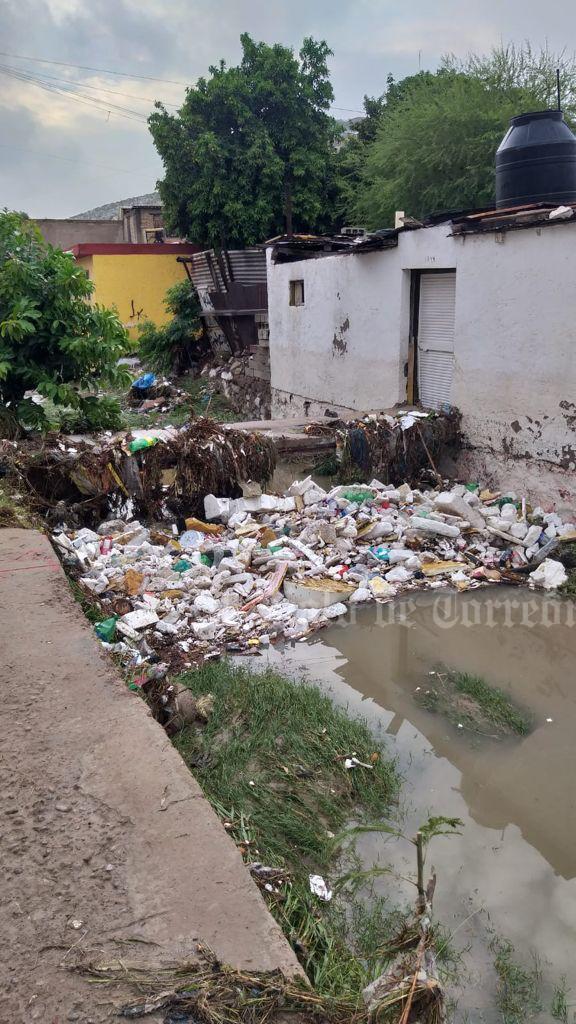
(515, 338)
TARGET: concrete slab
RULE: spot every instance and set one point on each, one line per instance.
(106, 836)
(289, 435)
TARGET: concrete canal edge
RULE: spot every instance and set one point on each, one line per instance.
(108, 837)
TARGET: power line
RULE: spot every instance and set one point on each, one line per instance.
(26, 76)
(95, 88)
(126, 74)
(84, 67)
(109, 108)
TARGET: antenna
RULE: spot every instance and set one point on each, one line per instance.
(558, 88)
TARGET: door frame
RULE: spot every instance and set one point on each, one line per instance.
(412, 396)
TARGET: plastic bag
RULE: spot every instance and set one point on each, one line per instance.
(359, 496)
(106, 630)
(140, 443)
(147, 380)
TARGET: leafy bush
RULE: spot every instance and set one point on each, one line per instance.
(173, 347)
(53, 341)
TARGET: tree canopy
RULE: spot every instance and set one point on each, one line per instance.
(53, 342)
(251, 151)
(437, 135)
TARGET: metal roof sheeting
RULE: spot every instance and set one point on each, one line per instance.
(243, 266)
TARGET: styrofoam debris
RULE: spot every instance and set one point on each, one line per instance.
(140, 618)
(549, 574)
(435, 526)
(319, 888)
(206, 593)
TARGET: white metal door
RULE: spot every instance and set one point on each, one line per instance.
(436, 307)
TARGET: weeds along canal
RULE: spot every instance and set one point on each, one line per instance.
(511, 874)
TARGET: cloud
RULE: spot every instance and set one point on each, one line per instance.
(59, 155)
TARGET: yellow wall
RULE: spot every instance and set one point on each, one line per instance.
(134, 284)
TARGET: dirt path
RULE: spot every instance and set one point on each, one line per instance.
(105, 835)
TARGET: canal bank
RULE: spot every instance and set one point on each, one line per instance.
(109, 844)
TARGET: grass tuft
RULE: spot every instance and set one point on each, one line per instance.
(518, 994)
(471, 702)
(559, 1007)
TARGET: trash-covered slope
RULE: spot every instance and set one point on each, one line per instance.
(266, 567)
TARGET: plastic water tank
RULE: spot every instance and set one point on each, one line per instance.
(536, 161)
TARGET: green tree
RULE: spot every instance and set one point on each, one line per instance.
(438, 133)
(52, 340)
(252, 148)
(172, 348)
(362, 133)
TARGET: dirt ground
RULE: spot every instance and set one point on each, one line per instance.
(108, 846)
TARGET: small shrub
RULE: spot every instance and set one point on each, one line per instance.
(174, 347)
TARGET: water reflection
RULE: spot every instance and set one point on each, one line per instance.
(516, 859)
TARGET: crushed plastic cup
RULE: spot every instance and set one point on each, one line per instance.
(190, 540)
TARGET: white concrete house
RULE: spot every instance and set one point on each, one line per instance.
(477, 312)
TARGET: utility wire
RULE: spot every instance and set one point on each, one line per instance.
(109, 108)
(94, 88)
(25, 76)
(84, 67)
(127, 74)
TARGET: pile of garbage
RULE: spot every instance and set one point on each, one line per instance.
(262, 567)
(144, 472)
(397, 446)
(150, 393)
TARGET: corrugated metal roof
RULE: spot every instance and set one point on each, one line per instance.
(244, 266)
(248, 266)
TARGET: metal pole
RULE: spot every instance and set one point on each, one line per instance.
(558, 88)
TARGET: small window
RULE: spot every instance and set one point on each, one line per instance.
(296, 293)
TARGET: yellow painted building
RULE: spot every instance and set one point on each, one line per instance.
(133, 278)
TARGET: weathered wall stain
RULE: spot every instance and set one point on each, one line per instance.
(339, 343)
(569, 413)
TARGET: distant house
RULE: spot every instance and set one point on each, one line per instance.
(138, 219)
(134, 278)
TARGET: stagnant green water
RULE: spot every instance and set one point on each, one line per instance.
(512, 872)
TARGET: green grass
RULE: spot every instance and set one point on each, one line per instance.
(518, 994)
(470, 701)
(494, 703)
(276, 751)
(569, 587)
(271, 761)
(14, 509)
(559, 1007)
(91, 608)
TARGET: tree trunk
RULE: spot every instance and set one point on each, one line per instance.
(288, 205)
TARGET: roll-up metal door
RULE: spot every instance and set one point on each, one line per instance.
(437, 301)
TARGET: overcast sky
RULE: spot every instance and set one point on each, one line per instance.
(60, 156)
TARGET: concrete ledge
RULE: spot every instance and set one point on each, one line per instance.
(103, 824)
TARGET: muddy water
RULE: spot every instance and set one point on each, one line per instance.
(512, 871)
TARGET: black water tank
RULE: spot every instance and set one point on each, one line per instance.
(536, 161)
